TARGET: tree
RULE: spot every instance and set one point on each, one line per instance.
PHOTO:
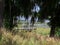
(1, 12)
(11, 11)
(1, 16)
(49, 8)
(13, 8)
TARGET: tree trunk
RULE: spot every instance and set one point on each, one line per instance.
(1, 16)
(32, 21)
(53, 26)
(1, 12)
(52, 32)
(11, 22)
(11, 17)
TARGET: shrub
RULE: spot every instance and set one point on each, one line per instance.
(57, 33)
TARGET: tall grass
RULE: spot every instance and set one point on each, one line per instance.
(21, 37)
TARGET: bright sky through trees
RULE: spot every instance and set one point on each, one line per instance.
(36, 8)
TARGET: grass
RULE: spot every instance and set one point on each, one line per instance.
(40, 36)
(43, 31)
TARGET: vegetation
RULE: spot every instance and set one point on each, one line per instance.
(36, 37)
(9, 9)
(57, 32)
(15, 8)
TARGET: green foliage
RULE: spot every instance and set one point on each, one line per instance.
(7, 24)
(48, 8)
(57, 32)
(10, 11)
